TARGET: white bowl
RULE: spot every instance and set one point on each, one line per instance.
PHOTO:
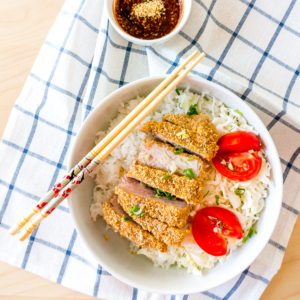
(187, 4)
(137, 270)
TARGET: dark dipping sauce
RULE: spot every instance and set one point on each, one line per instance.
(147, 28)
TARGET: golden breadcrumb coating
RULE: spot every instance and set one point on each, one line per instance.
(130, 229)
(197, 123)
(182, 187)
(167, 213)
(175, 134)
(168, 234)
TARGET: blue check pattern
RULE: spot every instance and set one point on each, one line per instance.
(252, 50)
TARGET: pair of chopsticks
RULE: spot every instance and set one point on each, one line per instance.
(69, 182)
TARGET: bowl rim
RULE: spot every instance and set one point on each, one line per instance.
(279, 187)
(184, 17)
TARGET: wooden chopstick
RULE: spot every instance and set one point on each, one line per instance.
(110, 146)
(100, 146)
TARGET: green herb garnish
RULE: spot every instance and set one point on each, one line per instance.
(169, 195)
(206, 194)
(217, 199)
(221, 226)
(192, 110)
(179, 150)
(190, 158)
(177, 92)
(188, 173)
(167, 176)
(135, 210)
(251, 231)
(238, 112)
(160, 193)
(125, 219)
(240, 192)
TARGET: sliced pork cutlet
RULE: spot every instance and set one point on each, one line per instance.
(191, 142)
(172, 212)
(113, 213)
(187, 189)
(163, 232)
(165, 157)
(197, 123)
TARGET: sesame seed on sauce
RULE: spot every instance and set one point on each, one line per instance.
(148, 19)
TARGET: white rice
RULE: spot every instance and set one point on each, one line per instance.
(247, 207)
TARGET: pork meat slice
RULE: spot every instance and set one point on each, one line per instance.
(112, 214)
(178, 136)
(181, 187)
(161, 156)
(168, 234)
(172, 212)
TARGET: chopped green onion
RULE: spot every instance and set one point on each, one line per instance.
(192, 110)
(238, 112)
(251, 231)
(221, 226)
(188, 173)
(206, 194)
(136, 210)
(190, 158)
(167, 176)
(147, 156)
(183, 135)
(177, 92)
(169, 195)
(217, 199)
(230, 167)
(160, 193)
(240, 192)
(173, 168)
(179, 150)
(125, 219)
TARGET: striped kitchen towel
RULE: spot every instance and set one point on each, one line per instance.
(252, 49)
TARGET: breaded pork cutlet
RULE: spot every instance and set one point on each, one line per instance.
(163, 156)
(168, 234)
(181, 187)
(191, 142)
(172, 212)
(197, 123)
(112, 214)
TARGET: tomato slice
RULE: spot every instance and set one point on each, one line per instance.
(241, 166)
(239, 141)
(209, 218)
